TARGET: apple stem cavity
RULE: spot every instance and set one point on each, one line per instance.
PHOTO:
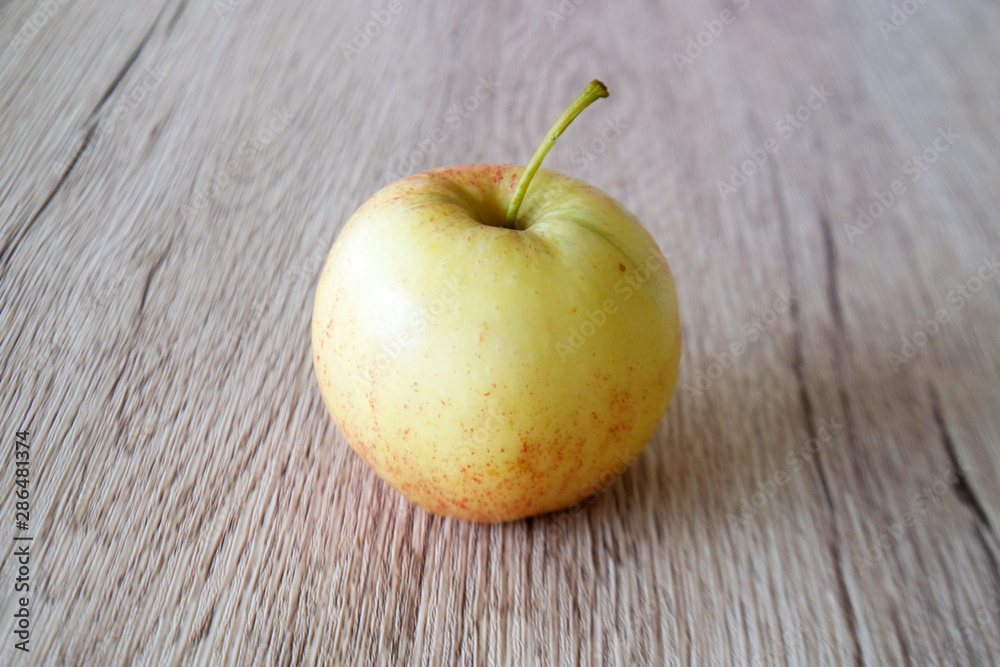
(593, 92)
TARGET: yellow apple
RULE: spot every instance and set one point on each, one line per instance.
(488, 366)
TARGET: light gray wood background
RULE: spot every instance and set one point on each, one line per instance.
(173, 175)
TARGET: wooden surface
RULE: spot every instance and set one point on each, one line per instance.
(173, 175)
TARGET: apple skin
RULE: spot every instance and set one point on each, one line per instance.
(445, 350)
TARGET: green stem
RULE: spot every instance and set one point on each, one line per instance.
(593, 92)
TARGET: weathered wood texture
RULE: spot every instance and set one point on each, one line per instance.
(172, 177)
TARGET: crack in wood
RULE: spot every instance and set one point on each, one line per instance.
(961, 484)
(116, 81)
(149, 277)
(11, 245)
(907, 660)
(798, 368)
(181, 6)
(832, 285)
(963, 490)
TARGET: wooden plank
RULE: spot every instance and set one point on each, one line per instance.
(173, 175)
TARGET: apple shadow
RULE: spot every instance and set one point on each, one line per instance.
(714, 448)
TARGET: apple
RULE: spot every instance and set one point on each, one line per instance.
(493, 351)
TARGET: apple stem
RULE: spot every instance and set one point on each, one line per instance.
(593, 92)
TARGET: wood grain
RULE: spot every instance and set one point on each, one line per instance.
(173, 174)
